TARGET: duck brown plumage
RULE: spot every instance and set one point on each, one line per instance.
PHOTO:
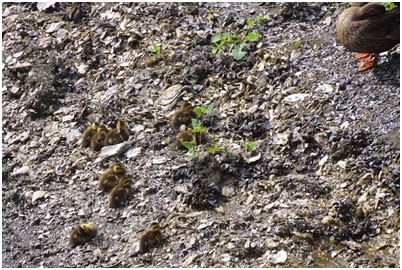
(367, 28)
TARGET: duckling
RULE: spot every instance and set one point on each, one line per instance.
(183, 115)
(151, 237)
(189, 136)
(124, 130)
(88, 133)
(111, 177)
(83, 233)
(120, 193)
(118, 134)
(184, 136)
(97, 140)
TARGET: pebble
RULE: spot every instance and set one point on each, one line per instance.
(228, 192)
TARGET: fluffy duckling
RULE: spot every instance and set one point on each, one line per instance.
(150, 238)
(118, 134)
(88, 133)
(112, 176)
(97, 140)
(183, 115)
(124, 130)
(120, 193)
(83, 233)
(189, 136)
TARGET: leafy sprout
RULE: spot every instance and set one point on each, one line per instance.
(236, 43)
(156, 51)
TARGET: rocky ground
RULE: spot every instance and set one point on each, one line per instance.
(307, 174)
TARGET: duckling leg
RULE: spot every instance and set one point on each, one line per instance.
(363, 56)
(365, 65)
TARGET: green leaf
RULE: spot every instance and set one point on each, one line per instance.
(259, 19)
(249, 23)
(198, 111)
(199, 129)
(226, 150)
(250, 146)
(167, 140)
(213, 149)
(216, 37)
(165, 46)
(210, 109)
(232, 157)
(195, 123)
(298, 45)
(188, 145)
(237, 52)
(253, 36)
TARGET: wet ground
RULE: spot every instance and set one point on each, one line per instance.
(307, 172)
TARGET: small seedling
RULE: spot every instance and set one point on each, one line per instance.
(250, 146)
(156, 51)
(204, 110)
(190, 147)
(236, 43)
(230, 156)
(298, 45)
(197, 125)
(167, 140)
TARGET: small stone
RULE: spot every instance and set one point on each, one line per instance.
(280, 257)
(228, 192)
(38, 194)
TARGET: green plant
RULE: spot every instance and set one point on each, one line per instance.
(389, 5)
(190, 147)
(236, 43)
(213, 149)
(250, 146)
(156, 51)
(204, 110)
(230, 156)
(167, 140)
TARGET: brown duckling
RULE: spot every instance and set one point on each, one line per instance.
(83, 233)
(150, 237)
(97, 140)
(120, 193)
(124, 130)
(118, 134)
(112, 176)
(367, 28)
(88, 133)
(183, 115)
(189, 136)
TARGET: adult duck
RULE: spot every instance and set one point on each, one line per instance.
(368, 29)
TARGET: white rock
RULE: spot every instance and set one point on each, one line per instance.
(38, 194)
(112, 150)
(133, 152)
(280, 257)
(295, 97)
(22, 170)
(225, 257)
(228, 192)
